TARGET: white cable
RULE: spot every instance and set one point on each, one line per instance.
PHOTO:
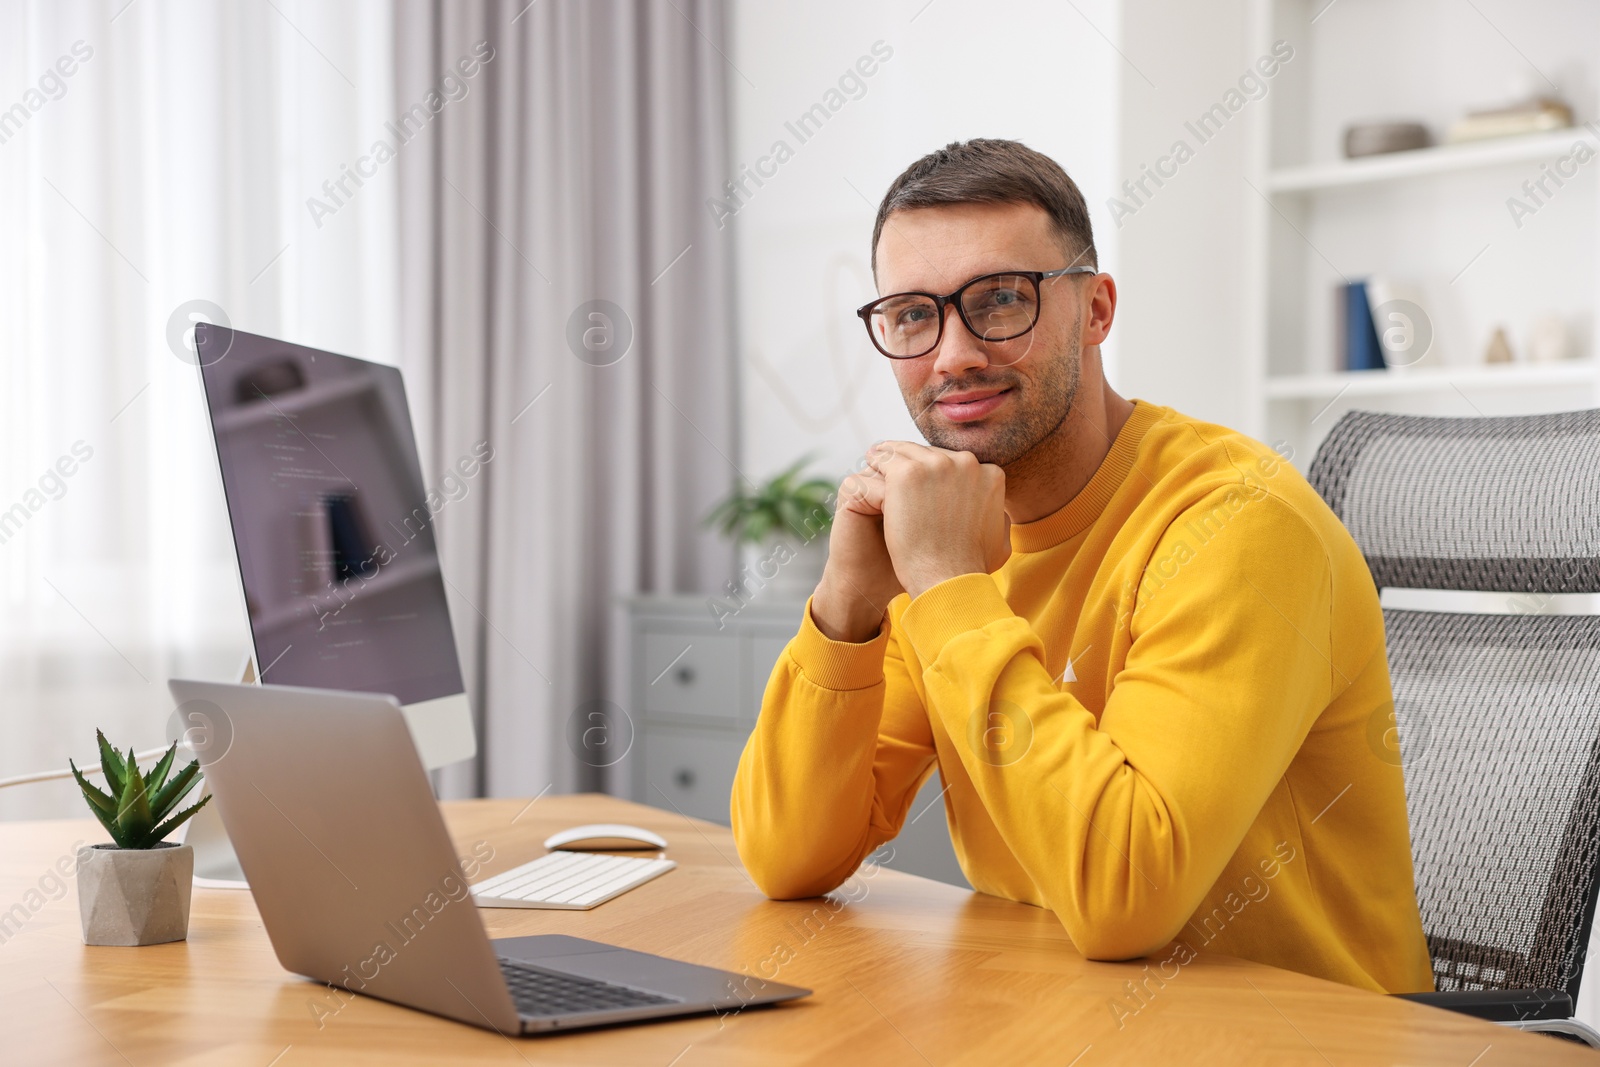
(49, 776)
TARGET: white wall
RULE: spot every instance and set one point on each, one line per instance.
(1034, 70)
(1181, 250)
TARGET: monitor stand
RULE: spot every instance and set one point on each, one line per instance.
(215, 865)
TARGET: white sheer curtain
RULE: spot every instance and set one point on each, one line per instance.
(153, 154)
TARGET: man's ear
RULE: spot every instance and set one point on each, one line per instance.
(1102, 297)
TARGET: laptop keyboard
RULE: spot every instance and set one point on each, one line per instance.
(538, 992)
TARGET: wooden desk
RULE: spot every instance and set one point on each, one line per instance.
(907, 972)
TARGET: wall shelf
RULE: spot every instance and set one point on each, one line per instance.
(1431, 379)
(1423, 162)
(1453, 230)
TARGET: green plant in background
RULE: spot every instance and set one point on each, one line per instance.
(136, 805)
(784, 504)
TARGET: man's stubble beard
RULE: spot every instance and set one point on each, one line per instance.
(1051, 400)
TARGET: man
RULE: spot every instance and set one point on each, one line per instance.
(1143, 655)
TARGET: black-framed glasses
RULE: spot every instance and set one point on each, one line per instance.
(994, 307)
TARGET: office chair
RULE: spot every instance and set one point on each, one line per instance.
(1498, 715)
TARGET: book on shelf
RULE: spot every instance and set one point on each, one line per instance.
(1535, 116)
(1405, 332)
(1359, 347)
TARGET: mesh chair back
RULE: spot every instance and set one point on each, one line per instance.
(1498, 716)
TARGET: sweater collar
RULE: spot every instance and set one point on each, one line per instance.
(1079, 513)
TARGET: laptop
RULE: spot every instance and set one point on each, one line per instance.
(358, 884)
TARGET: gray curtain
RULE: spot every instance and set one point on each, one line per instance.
(568, 166)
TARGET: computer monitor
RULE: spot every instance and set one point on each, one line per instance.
(333, 529)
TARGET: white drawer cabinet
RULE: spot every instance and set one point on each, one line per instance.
(690, 770)
(696, 692)
(689, 674)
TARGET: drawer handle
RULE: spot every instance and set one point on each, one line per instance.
(685, 675)
(684, 778)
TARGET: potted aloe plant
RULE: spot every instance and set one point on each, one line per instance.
(135, 891)
(782, 528)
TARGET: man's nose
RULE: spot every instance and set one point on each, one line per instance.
(958, 350)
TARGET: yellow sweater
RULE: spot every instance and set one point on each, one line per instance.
(1163, 719)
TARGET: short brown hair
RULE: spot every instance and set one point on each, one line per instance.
(990, 171)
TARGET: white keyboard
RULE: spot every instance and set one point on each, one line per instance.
(572, 881)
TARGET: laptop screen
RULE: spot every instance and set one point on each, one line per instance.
(330, 517)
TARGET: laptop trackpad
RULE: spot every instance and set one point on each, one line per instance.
(608, 963)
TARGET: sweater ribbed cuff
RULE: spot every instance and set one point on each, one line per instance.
(955, 606)
(838, 665)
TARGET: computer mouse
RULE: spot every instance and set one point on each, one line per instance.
(604, 837)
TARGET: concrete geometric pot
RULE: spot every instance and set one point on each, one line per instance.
(134, 896)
